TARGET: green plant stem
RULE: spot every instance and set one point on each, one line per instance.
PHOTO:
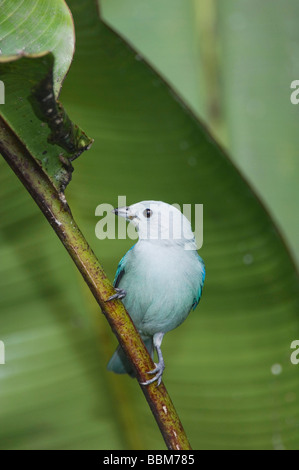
(56, 210)
(205, 14)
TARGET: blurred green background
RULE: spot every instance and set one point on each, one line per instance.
(228, 366)
(233, 63)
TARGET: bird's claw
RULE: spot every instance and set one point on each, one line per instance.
(120, 294)
(158, 370)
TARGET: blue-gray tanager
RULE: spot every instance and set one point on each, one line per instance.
(160, 279)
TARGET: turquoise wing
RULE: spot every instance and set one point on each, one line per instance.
(121, 268)
(120, 272)
(198, 297)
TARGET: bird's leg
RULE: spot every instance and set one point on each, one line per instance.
(159, 369)
(120, 294)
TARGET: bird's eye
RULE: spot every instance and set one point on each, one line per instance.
(147, 213)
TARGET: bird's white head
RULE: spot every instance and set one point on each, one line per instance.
(157, 220)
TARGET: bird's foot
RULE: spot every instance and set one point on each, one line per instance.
(120, 294)
(158, 370)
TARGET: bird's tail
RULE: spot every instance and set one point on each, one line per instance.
(119, 362)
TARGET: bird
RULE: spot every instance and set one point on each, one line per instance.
(159, 280)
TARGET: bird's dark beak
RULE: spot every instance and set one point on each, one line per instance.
(122, 212)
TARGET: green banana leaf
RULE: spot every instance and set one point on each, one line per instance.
(33, 79)
(228, 367)
(256, 90)
(233, 62)
(166, 34)
(31, 28)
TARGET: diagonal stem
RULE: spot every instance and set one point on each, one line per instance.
(56, 210)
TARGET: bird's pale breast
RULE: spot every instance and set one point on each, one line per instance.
(161, 282)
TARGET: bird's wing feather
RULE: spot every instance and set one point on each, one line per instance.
(120, 271)
(198, 297)
(121, 268)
